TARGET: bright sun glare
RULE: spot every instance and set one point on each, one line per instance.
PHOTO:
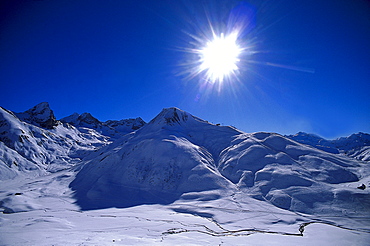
(220, 57)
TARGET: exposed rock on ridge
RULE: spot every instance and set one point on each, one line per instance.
(40, 115)
(111, 128)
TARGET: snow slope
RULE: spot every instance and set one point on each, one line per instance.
(28, 147)
(44, 213)
(177, 180)
(291, 175)
(156, 164)
(176, 154)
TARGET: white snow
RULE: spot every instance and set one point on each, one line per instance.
(28, 147)
(177, 180)
(47, 215)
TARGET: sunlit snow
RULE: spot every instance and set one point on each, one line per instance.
(177, 180)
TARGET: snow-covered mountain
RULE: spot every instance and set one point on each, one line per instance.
(112, 128)
(177, 153)
(35, 141)
(173, 154)
(180, 164)
(356, 146)
(28, 147)
(41, 115)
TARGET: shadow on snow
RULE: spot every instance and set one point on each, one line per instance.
(118, 196)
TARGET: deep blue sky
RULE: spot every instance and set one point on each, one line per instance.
(309, 69)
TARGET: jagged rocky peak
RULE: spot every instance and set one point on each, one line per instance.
(40, 115)
(89, 119)
(112, 128)
(134, 124)
(85, 119)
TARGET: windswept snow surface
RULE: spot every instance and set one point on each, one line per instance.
(177, 180)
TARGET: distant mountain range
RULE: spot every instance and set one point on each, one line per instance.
(177, 155)
(356, 146)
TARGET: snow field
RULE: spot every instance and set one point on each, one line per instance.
(177, 180)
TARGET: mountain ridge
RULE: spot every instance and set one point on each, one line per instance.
(176, 153)
(86, 128)
(112, 128)
(180, 165)
(356, 145)
(40, 115)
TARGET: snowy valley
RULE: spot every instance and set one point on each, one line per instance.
(176, 180)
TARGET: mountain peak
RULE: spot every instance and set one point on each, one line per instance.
(85, 119)
(72, 119)
(111, 128)
(40, 115)
(171, 116)
(89, 119)
(42, 105)
(126, 124)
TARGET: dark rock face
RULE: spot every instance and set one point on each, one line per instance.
(40, 115)
(133, 124)
(88, 119)
(111, 128)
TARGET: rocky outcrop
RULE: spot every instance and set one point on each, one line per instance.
(41, 115)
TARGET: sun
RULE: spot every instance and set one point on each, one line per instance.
(219, 58)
